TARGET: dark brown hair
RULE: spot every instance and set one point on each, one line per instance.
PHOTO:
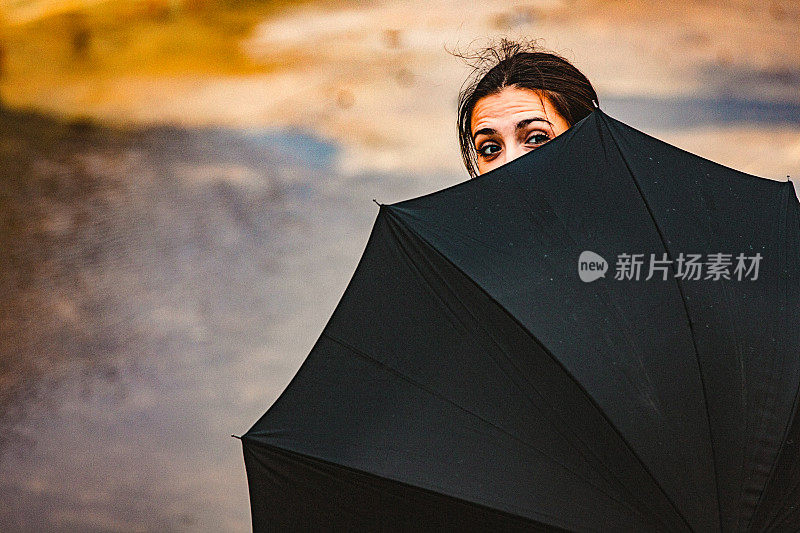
(524, 65)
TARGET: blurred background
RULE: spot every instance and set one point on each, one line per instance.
(186, 187)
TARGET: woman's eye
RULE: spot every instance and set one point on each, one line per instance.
(488, 150)
(538, 138)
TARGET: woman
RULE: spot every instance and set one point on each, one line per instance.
(520, 99)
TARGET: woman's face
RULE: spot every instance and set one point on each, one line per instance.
(510, 123)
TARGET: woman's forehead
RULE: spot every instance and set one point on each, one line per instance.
(510, 104)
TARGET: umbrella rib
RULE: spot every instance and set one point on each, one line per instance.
(685, 307)
(317, 461)
(609, 477)
(782, 226)
(554, 358)
(791, 198)
(421, 386)
(589, 455)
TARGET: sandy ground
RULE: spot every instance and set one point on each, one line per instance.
(160, 288)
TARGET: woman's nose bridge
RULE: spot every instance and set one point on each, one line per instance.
(513, 150)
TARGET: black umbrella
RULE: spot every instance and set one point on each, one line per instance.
(478, 374)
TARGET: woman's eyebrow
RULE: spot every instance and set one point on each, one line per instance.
(484, 131)
(522, 123)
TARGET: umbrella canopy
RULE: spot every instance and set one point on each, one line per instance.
(601, 335)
